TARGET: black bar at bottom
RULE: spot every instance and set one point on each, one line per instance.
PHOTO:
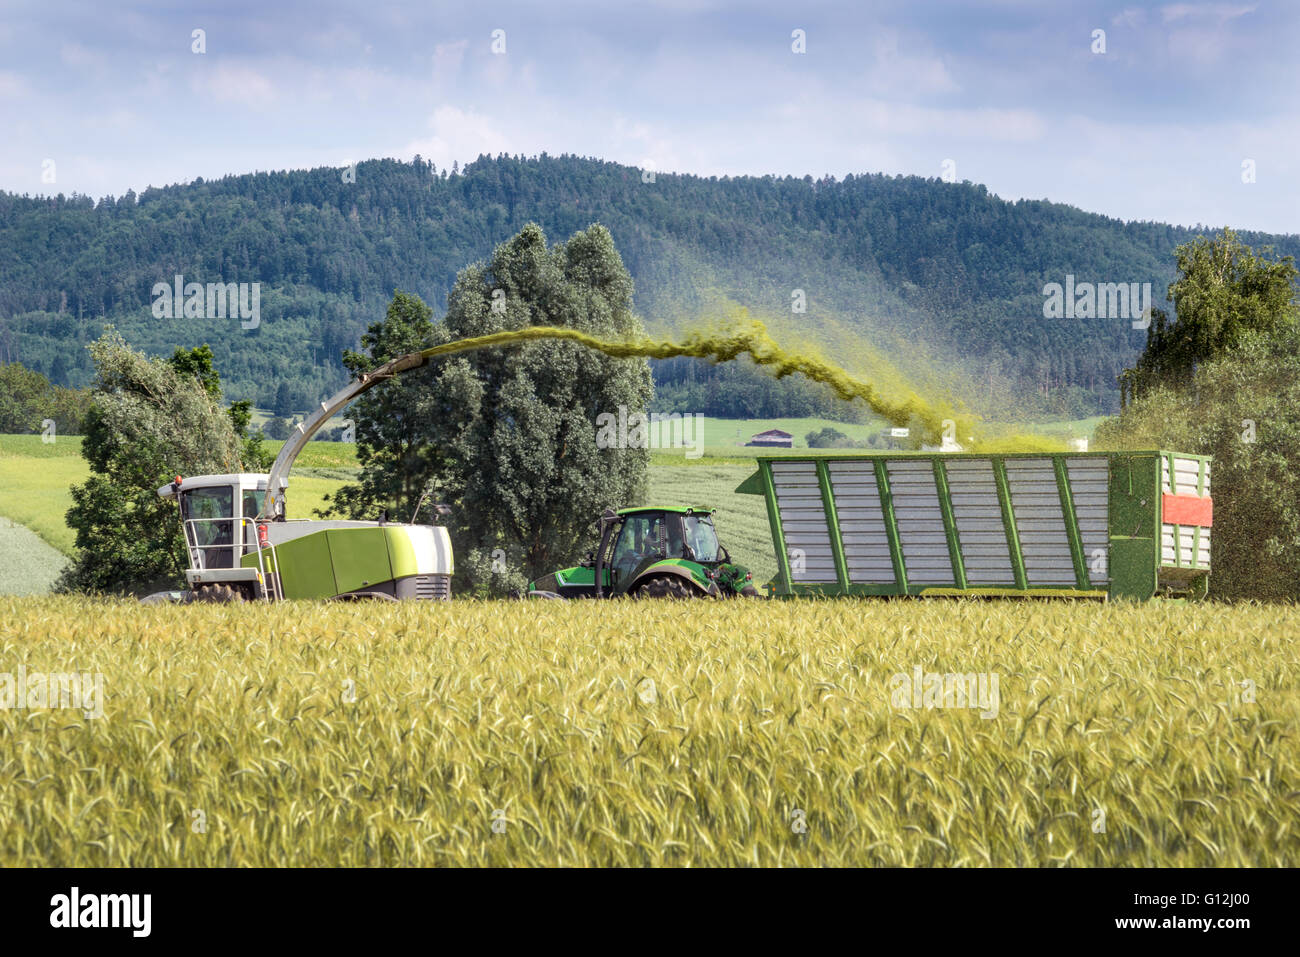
(588, 909)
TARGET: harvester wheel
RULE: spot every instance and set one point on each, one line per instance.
(217, 594)
(667, 586)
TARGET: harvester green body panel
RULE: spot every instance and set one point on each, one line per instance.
(359, 559)
(341, 561)
(305, 567)
(1066, 524)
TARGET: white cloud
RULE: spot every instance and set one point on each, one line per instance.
(76, 55)
(119, 119)
(447, 58)
(230, 83)
(1202, 45)
(334, 38)
(1172, 175)
(981, 123)
(458, 135)
(12, 85)
(1199, 35)
(348, 86)
(1220, 13)
(639, 144)
(895, 72)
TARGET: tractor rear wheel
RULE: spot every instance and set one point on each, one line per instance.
(749, 591)
(667, 586)
(216, 594)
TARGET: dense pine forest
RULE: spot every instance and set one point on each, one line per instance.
(913, 281)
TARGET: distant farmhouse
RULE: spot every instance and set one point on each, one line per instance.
(772, 439)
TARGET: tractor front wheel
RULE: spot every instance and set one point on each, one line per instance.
(216, 594)
(667, 586)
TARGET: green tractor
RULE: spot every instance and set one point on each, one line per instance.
(651, 553)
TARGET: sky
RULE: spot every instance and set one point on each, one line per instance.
(1176, 112)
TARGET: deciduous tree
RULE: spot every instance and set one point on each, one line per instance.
(152, 419)
(507, 436)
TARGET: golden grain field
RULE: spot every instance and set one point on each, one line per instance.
(625, 733)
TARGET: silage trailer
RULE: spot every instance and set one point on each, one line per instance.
(1098, 525)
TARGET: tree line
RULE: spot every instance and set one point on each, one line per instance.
(28, 401)
(946, 273)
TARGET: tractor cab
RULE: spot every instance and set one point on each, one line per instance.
(218, 515)
(644, 536)
(651, 552)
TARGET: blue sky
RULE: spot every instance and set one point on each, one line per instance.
(1012, 93)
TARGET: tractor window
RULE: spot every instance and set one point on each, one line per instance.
(209, 513)
(638, 540)
(702, 537)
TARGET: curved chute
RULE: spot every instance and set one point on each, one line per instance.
(750, 338)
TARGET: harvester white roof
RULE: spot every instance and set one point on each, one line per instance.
(250, 481)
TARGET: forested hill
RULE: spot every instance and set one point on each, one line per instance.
(906, 279)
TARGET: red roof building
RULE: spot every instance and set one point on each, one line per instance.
(772, 439)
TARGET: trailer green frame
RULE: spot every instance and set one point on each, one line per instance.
(1134, 567)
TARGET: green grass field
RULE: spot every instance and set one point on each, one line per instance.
(34, 483)
(634, 733)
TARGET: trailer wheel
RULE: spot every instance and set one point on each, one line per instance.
(667, 586)
(216, 594)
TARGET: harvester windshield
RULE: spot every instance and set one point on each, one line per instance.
(253, 499)
(209, 513)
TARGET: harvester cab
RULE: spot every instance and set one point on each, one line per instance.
(238, 553)
(242, 546)
(651, 553)
(218, 515)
